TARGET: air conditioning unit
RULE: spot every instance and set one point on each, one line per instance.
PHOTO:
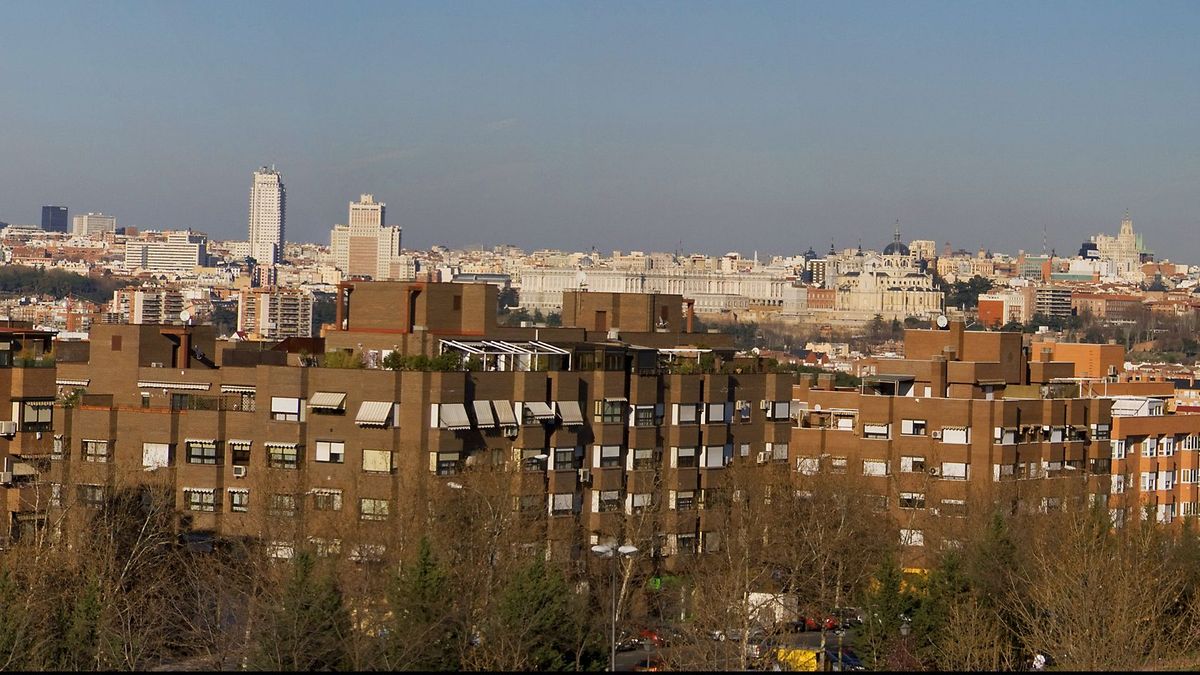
(156, 364)
(935, 471)
(585, 476)
(239, 471)
(764, 457)
(6, 477)
(764, 405)
(935, 434)
(8, 428)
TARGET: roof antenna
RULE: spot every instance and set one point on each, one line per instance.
(1043, 239)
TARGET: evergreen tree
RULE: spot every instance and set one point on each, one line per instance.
(308, 627)
(423, 633)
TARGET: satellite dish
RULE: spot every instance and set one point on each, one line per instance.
(756, 351)
(185, 316)
(816, 407)
(942, 321)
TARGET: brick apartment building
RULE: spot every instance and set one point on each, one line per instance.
(621, 424)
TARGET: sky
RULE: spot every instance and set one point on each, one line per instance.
(711, 127)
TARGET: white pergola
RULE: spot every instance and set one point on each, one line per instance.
(501, 355)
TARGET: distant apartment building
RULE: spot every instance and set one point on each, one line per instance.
(93, 223)
(151, 305)
(365, 247)
(274, 313)
(175, 252)
(1052, 301)
(268, 216)
(54, 219)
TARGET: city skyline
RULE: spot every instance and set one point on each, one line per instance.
(769, 126)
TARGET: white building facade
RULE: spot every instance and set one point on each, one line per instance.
(268, 216)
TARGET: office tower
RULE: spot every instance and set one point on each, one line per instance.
(268, 216)
(365, 247)
(54, 218)
(93, 223)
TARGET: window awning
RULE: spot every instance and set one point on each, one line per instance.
(277, 444)
(72, 383)
(539, 410)
(237, 389)
(616, 399)
(205, 441)
(886, 377)
(374, 413)
(39, 405)
(192, 386)
(453, 416)
(505, 415)
(570, 413)
(992, 383)
(327, 400)
(483, 415)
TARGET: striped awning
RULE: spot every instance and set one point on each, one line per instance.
(570, 413)
(190, 386)
(374, 413)
(539, 410)
(72, 383)
(237, 389)
(483, 415)
(453, 416)
(505, 415)
(327, 400)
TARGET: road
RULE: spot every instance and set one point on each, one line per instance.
(684, 658)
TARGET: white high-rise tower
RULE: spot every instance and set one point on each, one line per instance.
(268, 215)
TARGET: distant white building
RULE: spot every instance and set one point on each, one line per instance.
(268, 216)
(93, 223)
(365, 246)
(274, 313)
(177, 252)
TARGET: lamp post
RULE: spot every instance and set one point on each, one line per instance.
(614, 552)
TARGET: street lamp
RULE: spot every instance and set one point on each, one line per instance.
(606, 551)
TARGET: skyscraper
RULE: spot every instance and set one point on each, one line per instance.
(93, 223)
(54, 218)
(366, 247)
(268, 215)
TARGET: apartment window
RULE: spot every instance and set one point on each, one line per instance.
(610, 411)
(912, 537)
(780, 410)
(1117, 486)
(714, 457)
(36, 415)
(877, 502)
(377, 461)
(95, 451)
(1118, 449)
(686, 458)
(145, 399)
(610, 456)
(715, 414)
(779, 451)
(527, 504)
(1188, 509)
(646, 458)
(59, 448)
(956, 508)
(240, 452)
(912, 500)
(283, 505)
(641, 502)
(744, 410)
(1191, 442)
(685, 544)
(685, 500)
(200, 500)
(1150, 447)
(1100, 432)
(1166, 446)
(837, 465)
(1005, 436)
(1187, 475)
(326, 547)
(281, 550)
(282, 456)
(954, 470)
(687, 413)
(875, 467)
(239, 501)
(808, 465)
(562, 504)
(1166, 479)
(156, 455)
(445, 463)
(956, 435)
(1149, 481)
(202, 452)
(91, 496)
(644, 416)
(610, 500)
(372, 509)
(876, 431)
(913, 427)
(285, 409)
(564, 459)
(331, 451)
(327, 500)
(912, 464)
(56, 495)
(1166, 513)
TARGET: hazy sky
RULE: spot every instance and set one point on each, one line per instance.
(727, 126)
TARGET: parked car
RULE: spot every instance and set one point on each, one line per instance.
(754, 633)
(848, 661)
(848, 616)
(653, 637)
(807, 623)
(628, 640)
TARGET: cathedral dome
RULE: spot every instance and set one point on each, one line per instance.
(896, 248)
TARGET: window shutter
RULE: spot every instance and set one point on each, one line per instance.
(595, 501)
(596, 452)
(433, 462)
(323, 450)
(674, 415)
(433, 415)
(629, 459)
(671, 499)
(728, 455)
(674, 458)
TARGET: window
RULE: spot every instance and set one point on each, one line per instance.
(1150, 447)
(281, 550)
(239, 501)
(687, 413)
(91, 496)
(1166, 479)
(912, 537)
(1101, 432)
(562, 504)
(36, 415)
(283, 506)
(145, 399)
(240, 451)
(1191, 442)
(200, 500)
(875, 467)
(685, 544)
(1149, 481)
(877, 502)
(954, 470)
(956, 435)
(1187, 475)
(286, 409)
(95, 451)
(780, 410)
(837, 465)
(955, 508)
(202, 452)
(56, 495)
(610, 500)
(685, 500)
(327, 500)
(1118, 484)
(610, 411)
(644, 416)
(372, 509)
(641, 502)
(1005, 436)
(646, 458)
(1118, 449)
(686, 458)
(912, 427)
(282, 456)
(779, 451)
(1166, 446)
(564, 459)
(326, 547)
(808, 465)
(912, 500)
(445, 463)
(156, 455)
(715, 414)
(744, 410)
(331, 451)
(367, 552)
(59, 448)
(527, 504)
(610, 456)
(876, 430)
(912, 464)
(377, 461)
(714, 456)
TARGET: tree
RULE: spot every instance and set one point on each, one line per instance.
(886, 605)
(965, 294)
(307, 626)
(425, 632)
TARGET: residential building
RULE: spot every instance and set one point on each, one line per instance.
(275, 313)
(365, 247)
(93, 223)
(174, 252)
(268, 216)
(147, 306)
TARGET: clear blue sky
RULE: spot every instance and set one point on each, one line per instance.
(727, 126)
